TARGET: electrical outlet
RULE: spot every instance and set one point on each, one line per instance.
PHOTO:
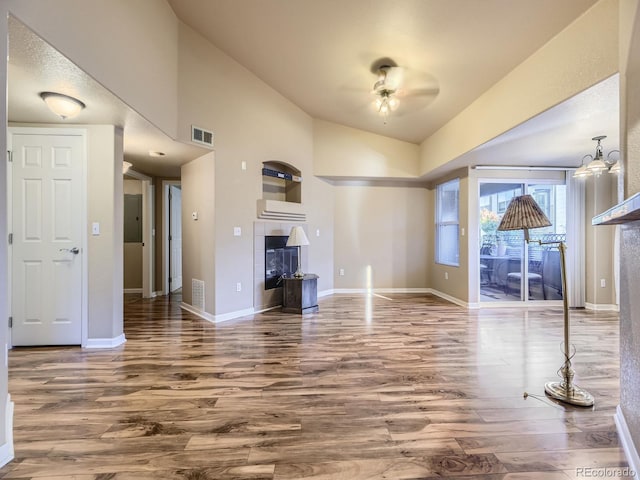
(243, 165)
(603, 283)
(237, 231)
(446, 275)
(341, 272)
(238, 287)
(317, 232)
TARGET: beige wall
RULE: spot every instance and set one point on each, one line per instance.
(457, 283)
(384, 228)
(340, 151)
(600, 195)
(572, 61)
(198, 236)
(253, 124)
(105, 251)
(130, 47)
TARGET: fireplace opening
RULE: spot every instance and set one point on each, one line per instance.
(279, 260)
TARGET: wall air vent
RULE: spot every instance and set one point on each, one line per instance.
(201, 136)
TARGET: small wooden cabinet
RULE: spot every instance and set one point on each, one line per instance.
(300, 295)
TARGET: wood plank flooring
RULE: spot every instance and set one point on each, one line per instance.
(393, 387)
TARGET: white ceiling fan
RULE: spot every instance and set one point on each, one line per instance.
(390, 87)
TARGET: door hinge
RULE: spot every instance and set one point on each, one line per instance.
(10, 322)
(170, 279)
(9, 156)
(11, 239)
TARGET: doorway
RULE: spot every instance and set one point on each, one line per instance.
(171, 244)
(510, 269)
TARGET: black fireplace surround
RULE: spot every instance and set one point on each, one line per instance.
(279, 260)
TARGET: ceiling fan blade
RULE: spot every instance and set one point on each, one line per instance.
(419, 92)
(394, 78)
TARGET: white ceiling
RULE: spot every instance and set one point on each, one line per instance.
(319, 54)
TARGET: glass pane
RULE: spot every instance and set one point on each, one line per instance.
(448, 244)
(501, 253)
(544, 260)
(448, 201)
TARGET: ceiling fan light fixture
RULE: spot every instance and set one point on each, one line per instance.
(62, 105)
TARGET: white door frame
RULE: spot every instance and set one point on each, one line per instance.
(165, 234)
(84, 308)
(147, 231)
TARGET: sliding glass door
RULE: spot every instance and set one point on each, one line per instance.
(511, 270)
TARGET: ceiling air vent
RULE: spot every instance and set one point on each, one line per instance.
(201, 136)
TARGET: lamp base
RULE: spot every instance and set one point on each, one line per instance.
(298, 274)
(573, 395)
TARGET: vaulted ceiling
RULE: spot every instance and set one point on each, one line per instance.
(320, 55)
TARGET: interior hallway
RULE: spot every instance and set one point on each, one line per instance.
(396, 387)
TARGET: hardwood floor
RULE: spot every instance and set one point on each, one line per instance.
(393, 387)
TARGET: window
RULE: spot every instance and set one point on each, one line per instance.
(448, 223)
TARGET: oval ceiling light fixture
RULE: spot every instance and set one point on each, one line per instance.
(155, 153)
(62, 105)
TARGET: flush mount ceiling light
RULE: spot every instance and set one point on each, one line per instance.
(62, 105)
(155, 153)
(598, 163)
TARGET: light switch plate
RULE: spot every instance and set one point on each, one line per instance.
(95, 228)
(237, 231)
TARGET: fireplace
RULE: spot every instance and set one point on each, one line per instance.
(279, 260)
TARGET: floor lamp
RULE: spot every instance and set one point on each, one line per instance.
(524, 213)
(297, 238)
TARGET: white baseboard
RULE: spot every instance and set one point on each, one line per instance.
(6, 449)
(105, 342)
(602, 307)
(326, 293)
(132, 290)
(633, 459)
(217, 318)
(378, 290)
(451, 299)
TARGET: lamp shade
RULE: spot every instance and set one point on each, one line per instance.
(297, 237)
(523, 213)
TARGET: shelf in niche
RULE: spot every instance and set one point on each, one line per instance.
(281, 182)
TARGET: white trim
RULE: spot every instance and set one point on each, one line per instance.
(6, 449)
(325, 293)
(602, 307)
(633, 459)
(519, 304)
(451, 299)
(156, 294)
(105, 342)
(378, 290)
(131, 290)
(218, 318)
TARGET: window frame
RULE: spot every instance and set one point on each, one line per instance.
(439, 223)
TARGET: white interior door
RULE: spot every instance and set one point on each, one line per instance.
(46, 256)
(176, 237)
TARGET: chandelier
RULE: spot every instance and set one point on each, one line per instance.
(598, 163)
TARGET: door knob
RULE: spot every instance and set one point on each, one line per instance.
(74, 250)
